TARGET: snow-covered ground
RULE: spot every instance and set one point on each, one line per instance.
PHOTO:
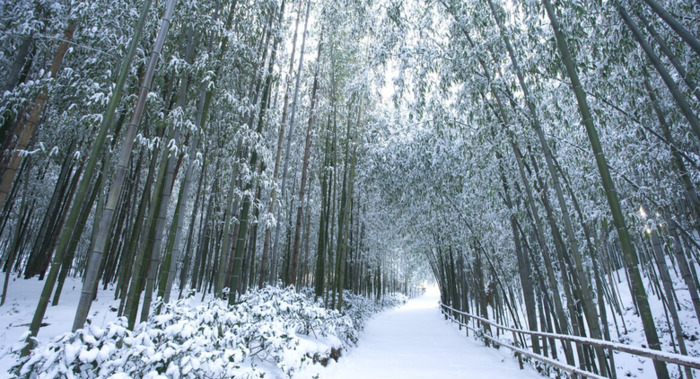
(631, 331)
(415, 341)
(17, 312)
(412, 341)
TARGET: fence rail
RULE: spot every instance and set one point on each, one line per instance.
(679, 359)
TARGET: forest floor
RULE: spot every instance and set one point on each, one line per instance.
(412, 341)
(20, 305)
(415, 341)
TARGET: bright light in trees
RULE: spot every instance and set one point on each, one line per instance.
(642, 212)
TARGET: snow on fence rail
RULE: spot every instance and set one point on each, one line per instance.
(679, 359)
(519, 352)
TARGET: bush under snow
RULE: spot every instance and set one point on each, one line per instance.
(272, 331)
(360, 308)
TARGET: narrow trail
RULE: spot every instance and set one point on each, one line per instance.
(415, 341)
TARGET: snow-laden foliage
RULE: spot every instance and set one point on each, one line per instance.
(273, 330)
(360, 308)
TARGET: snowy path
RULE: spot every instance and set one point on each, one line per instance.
(415, 341)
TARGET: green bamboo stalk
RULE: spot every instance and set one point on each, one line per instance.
(88, 174)
(628, 250)
(120, 173)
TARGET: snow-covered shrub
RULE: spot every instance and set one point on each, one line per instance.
(360, 308)
(273, 330)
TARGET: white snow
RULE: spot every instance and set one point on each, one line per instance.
(411, 341)
(415, 341)
(18, 310)
(632, 331)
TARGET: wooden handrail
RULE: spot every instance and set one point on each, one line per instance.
(679, 359)
(539, 357)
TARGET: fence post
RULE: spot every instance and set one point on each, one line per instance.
(465, 320)
(515, 343)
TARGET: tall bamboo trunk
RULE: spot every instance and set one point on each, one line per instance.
(588, 306)
(344, 212)
(172, 160)
(203, 239)
(278, 155)
(680, 99)
(319, 277)
(146, 247)
(689, 81)
(38, 252)
(174, 249)
(20, 230)
(501, 115)
(285, 169)
(25, 127)
(670, 295)
(120, 173)
(256, 90)
(187, 259)
(169, 161)
(95, 153)
(637, 285)
(304, 168)
(671, 21)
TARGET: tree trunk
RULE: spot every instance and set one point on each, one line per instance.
(24, 128)
(682, 103)
(319, 277)
(670, 295)
(692, 86)
(278, 154)
(67, 263)
(88, 173)
(681, 30)
(171, 175)
(20, 230)
(304, 169)
(582, 275)
(190, 235)
(275, 248)
(38, 253)
(120, 174)
(637, 285)
(344, 213)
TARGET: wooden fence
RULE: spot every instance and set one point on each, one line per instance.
(679, 359)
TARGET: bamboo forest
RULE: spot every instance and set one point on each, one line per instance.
(350, 188)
